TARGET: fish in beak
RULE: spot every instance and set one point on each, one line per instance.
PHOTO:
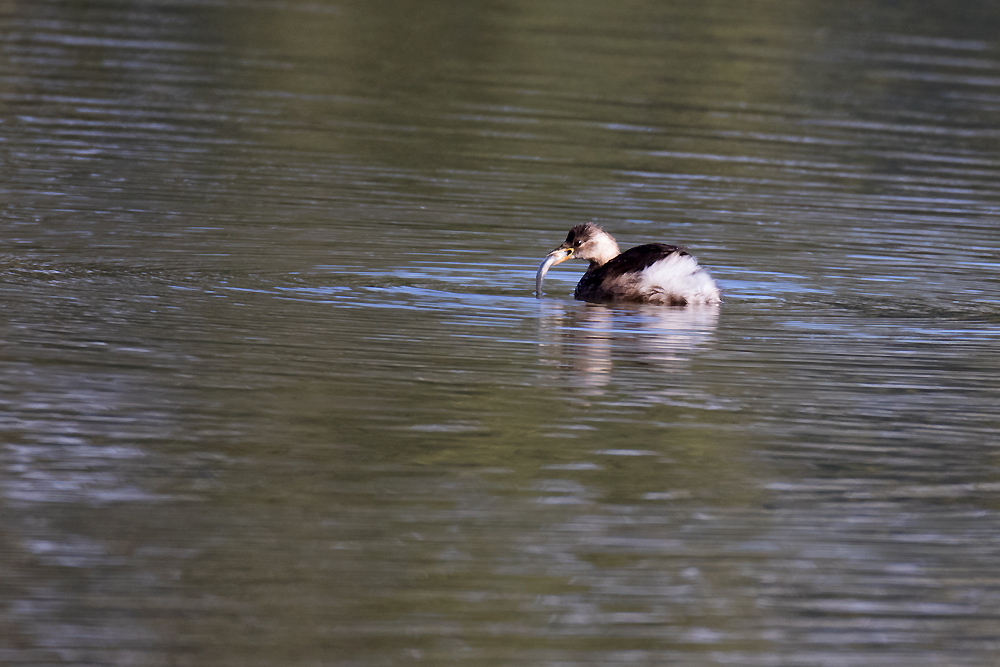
(557, 256)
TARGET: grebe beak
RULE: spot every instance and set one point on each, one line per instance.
(557, 256)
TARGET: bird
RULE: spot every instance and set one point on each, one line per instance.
(655, 273)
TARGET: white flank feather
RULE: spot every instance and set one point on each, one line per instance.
(680, 278)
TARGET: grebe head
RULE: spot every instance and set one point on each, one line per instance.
(586, 241)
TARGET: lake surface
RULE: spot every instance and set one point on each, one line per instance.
(275, 388)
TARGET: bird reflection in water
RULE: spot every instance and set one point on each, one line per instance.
(588, 339)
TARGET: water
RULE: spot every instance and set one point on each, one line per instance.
(275, 388)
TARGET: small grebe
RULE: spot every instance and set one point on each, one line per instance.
(651, 273)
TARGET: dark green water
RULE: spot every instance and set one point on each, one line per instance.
(275, 389)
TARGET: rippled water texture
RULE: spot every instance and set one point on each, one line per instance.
(275, 388)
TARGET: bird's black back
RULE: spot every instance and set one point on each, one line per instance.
(636, 259)
(597, 283)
